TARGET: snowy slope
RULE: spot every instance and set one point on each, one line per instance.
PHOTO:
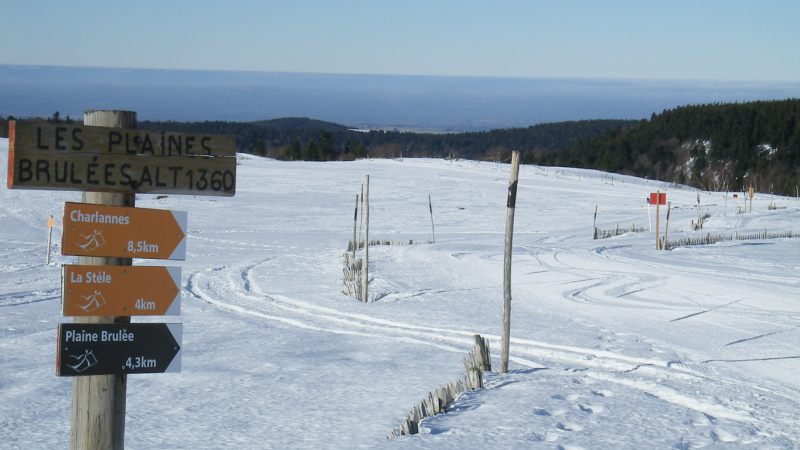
(614, 345)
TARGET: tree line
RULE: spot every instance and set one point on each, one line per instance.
(719, 146)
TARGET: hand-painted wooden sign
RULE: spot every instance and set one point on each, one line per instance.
(44, 155)
(121, 290)
(118, 231)
(118, 348)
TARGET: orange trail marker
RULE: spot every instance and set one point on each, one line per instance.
(121, 290)
(122, 232)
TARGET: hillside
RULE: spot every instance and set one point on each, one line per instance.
(712, 146)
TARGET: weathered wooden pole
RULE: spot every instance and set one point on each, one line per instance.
(98, 401)
(666, 227)
(430, 208)
(510, 206)
(355, 222)
(725, 211)
(365, 268)
(361, 224)
(49, 239)
(698, 210)
(658, 216)
(594, 224)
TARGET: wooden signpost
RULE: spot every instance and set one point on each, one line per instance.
(109, 161)
(57, 156)
(657, 198)
(121, 290)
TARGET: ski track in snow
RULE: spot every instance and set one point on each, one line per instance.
(665, 380)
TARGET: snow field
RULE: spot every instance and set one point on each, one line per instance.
(614, 345)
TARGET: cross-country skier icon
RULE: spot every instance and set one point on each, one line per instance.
(85, 361)
(92, 241)
(93, 301)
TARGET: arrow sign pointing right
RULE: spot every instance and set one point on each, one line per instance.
(123, 232)
(118, 348)
(121, 290)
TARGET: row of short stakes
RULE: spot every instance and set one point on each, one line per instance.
(476, 363)
(710, 238)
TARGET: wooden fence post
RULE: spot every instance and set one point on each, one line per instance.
(698, 210)
(433, 231)
(510, 206)
(658, 216)
(365, 267)
(666, 227)
(49, 239)
(98, 401)
(594, 224)
(361, 224)
(355, 222)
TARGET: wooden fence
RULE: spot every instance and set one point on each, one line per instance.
(353, 266)
(351, 275)
(384, 242)
(710, 238)
(603, 234)
(476, 363)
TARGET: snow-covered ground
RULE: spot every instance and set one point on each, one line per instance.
(614, 345)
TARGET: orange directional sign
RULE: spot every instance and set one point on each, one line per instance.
(121, 290)
(122, 232)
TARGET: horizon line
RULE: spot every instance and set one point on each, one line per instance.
(409, 75)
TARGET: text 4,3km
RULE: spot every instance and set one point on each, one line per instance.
(139, 362)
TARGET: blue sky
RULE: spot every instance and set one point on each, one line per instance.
(677, 39)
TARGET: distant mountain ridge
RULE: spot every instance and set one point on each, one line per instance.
(422, 103)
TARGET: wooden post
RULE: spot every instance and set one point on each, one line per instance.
(355, 222)
(666, 227)
(725, 211)
(594, 224)
(365, 267)
(49, 239)
(98, 402)
(510, 206)
(658, 197)
(361, 224)
(698, 211)
(433, 231)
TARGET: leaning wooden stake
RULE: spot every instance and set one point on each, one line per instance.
(510, 205)
(666, 227)
(361, 224)
(98, 401)
(433, 231)
(49, 239)
(355, 222)
(698, 210)
(658, 216)
(365, 268)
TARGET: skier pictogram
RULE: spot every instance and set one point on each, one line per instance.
(85, 361)
(93, 301)
(92, 241)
